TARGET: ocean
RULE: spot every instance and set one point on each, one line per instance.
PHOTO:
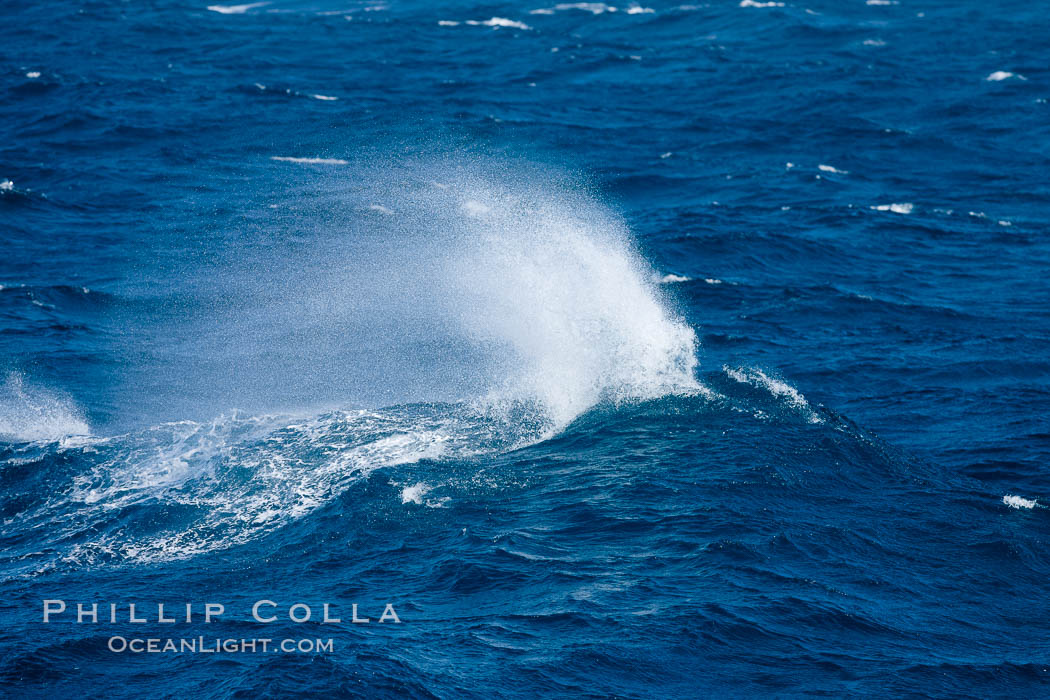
(636, 351)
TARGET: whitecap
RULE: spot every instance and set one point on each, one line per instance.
(777, 387)
(497, 22)
(673, 279)
(236, 9)
(1018, 502)
(324, 98)
(6, 185)
(554, 279)
(753, 3)
(310, 161)
(33, 74)
(595, 8)
(896, 207)
(1001, 75)
(832, 169)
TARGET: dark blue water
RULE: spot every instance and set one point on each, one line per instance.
(656, 351)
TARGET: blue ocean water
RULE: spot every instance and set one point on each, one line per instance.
(643, 351)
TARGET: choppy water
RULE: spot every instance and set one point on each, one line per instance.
(641, 351)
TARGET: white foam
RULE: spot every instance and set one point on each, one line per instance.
(33, 74)
(1000, 75)
(35, 414)
(536, 281)
(379, 208)
(324, 98)
(777, 387)
(595, 8)
(874, 42)
(6, 185)
(832, 169)
(753, 3)
(311, 161)
(414, 494)
(882, 2)
(555, 281)
(665, 156)
(896, 208)
(236, 9)
(1018, 502)
(245, 476)
(447, 23)
(671, 279)
(497, 22)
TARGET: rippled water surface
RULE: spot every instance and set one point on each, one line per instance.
(647, 350)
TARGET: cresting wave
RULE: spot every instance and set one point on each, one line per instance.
(533, 301)
(554, 286)
(438, 282)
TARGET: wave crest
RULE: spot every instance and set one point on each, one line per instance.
(553, 285)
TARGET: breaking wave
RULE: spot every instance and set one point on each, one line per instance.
(554, 286)
(528, 304)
